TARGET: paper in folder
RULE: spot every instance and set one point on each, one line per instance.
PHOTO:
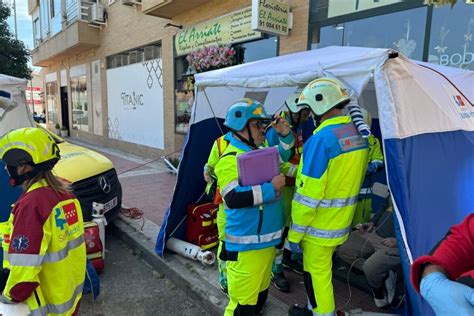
(258, 166)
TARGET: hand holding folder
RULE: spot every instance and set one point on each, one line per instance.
(259, 166)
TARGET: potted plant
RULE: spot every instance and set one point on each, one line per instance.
(64, 131)
(57, 129)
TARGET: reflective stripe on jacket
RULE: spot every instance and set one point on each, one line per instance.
(254, 218)
(329, 177)
(47, 254)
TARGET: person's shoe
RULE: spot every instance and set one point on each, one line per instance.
(224, 289)
(299, 311)
(280, 282)
(294, 265)
(381, 302)
(391, 285)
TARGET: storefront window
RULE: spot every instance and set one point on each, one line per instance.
(184, 87)
(52, 102)
(451, 39)
(80, 117)
(403, 31)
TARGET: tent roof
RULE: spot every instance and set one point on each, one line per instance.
(296, 69)
(8, 80)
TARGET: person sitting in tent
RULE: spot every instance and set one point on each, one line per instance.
(364, 203)
(46, 249)
(296, 117)
(254, 218)
(373, 249)
(445, 277)
(328, 181)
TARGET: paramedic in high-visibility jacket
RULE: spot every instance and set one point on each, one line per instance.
(46, 255)
(329, 177)
(254, 217)
(296, 117)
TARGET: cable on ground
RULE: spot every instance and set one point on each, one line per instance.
(133, 213)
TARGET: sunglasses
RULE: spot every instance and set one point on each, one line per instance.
(260, 123)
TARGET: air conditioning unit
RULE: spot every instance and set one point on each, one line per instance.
(96, 13)
(131, 2)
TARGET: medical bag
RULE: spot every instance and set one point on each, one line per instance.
(201, 224)
(94, 246)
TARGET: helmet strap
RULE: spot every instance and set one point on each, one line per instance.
(250, 141)
(317, 119)
(18, 179)
(294, 123)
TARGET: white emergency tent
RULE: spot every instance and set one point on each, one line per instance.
(426, 119)
(14, 112)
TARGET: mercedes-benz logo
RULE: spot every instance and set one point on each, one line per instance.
(104, 184)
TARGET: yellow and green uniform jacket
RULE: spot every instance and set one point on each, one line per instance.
(46, 253)
(329, 177)
(254, 218)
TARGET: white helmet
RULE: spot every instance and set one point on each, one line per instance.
(323, 94)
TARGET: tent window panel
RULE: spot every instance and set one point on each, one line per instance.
(451, 39)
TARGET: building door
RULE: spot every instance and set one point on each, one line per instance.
(64, 107)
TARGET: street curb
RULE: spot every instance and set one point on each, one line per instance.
(184, 273)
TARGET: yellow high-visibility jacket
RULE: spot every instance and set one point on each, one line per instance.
(329, 177)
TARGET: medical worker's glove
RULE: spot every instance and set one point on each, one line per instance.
(374, 166)
(447, 297)
(295, 247)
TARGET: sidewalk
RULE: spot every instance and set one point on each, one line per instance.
(150, 187)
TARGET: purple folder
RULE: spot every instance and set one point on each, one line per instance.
(258, 166)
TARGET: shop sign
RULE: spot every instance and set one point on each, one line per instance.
(270, 16)
(342, 7)
(231, 28)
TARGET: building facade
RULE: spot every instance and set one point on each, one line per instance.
(120, 72)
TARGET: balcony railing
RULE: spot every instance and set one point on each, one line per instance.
(69, 34)
(169, 8)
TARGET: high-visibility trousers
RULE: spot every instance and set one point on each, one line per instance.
(317, 263)
(248, 278)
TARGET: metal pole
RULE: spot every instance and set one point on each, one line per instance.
(16, 29)
(31, 95)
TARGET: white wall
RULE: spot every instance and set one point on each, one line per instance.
(135, 103)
